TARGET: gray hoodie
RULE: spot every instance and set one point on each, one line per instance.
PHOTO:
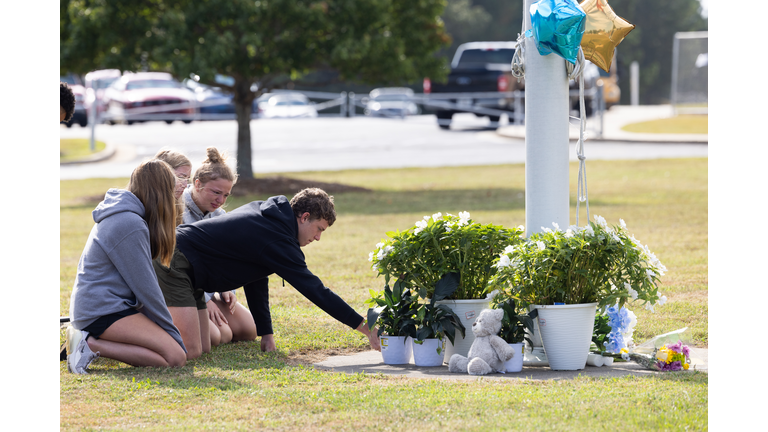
(115, 270)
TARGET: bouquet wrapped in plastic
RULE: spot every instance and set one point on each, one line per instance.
(667, 352)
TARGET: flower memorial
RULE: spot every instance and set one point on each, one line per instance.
(597, 263)
(667, 358)
(441, 246)
(613, 330)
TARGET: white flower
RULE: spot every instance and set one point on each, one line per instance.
(436, 216)
(557, 227)
(541, 245)
(622, 223)
(521, 227)
(568, 233)
(370, 257)
(447, 228)
(509, 249)
(420, 225)
(632, 293)
(600, 221)
(503, 261)
(588, 229)
(546, 230)
(376, 267)
(464, 216)
(650, 274)
(662, 300)
(616, 238)
(649, 306)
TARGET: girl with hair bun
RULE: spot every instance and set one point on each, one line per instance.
(117, 309)
(226, 319)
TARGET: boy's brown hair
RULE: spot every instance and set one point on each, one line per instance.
(316, 202)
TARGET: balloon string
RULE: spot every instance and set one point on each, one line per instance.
(518, 59)
(581, 191)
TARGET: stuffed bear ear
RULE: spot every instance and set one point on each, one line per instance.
(498, 314)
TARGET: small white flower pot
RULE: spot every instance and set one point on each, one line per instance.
(430, 352)
(396, 349)
(595, 360)
(515, 364)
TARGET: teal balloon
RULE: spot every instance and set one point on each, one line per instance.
(557, 27)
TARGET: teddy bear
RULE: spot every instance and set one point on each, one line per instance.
(488, 352)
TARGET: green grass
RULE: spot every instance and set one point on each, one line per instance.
(664, 203)
(74, 149)
(681, 124)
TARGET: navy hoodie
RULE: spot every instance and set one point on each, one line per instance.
(250, 243)
(115, 270)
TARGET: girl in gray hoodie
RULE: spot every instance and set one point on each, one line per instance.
(117, 309)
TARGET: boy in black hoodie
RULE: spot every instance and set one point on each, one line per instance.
(256, 240)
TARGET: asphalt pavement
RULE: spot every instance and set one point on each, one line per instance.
(334, 143)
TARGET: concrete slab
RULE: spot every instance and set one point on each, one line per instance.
(371, 362)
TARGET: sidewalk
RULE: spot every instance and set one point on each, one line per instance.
(616, 118)
(371, 362)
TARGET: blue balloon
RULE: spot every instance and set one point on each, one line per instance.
(558, 26)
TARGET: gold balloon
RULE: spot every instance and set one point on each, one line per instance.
(603, 31)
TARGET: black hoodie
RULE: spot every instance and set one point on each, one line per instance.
(250, 243)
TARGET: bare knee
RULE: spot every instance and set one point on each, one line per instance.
(177, 358)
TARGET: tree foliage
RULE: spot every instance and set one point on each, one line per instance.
(262, 44)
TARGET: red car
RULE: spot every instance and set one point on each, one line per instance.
(96, 83)
(148, 96)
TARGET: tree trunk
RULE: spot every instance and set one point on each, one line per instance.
(243, 100)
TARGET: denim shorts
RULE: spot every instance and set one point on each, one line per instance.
(176, 283)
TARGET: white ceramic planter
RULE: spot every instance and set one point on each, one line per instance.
(430, 352)
(566, 331)
(467, 311)
(396, 349)
(515, 364)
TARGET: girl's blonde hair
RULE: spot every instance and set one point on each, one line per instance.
(214, 167)
(153, 182)
(176, 160)
(173, 158)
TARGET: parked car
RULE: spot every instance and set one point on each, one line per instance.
(80, 117)
(96, 82)
(214, 100)
(286, 105)
(477, 67)
(391, 102)
(144, 90)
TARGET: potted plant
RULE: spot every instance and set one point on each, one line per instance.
(435, 322)
(515, 327)
(568, 274)
(446, 246)
(393, 310)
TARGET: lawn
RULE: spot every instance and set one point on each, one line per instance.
(681, 124)
(664, 204)
(76, 149)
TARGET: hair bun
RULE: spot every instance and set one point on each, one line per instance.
(214, 156)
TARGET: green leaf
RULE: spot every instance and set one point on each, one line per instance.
(446, 286)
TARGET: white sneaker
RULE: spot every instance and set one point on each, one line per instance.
(79, 354)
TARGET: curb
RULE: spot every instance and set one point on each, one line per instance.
(105, 154)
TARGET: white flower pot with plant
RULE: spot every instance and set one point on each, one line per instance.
(393, 310)
(440, 247)
(434, 323)
(594, 266)
(515, 327)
